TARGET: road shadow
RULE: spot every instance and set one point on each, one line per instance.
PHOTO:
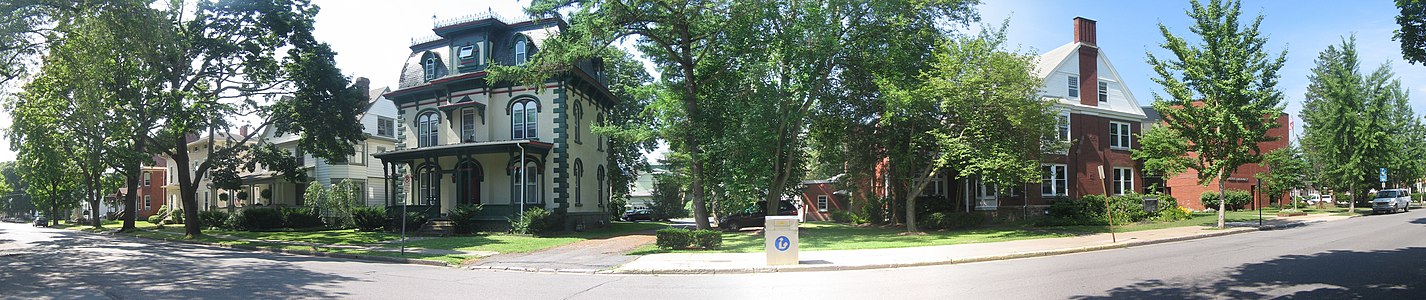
(1340, 274)
(1419, 221)
(69, 264)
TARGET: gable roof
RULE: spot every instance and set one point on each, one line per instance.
(1055, 59)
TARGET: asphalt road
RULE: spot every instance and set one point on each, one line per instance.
(1375, 257)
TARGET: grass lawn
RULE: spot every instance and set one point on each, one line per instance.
(816, 236)
(498, 242)
(105, 226)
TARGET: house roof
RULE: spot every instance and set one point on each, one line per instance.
(1055, 59)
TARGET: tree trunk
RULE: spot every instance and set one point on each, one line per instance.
(187, 188)
(1351, 199)
(911, 213)
(95, 197)
(132, 170)
(1222, 198)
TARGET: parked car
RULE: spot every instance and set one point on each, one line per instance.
(41, 221)
(634, 215)
(753, 216)
(1327, 198)
(1311, 199)
(1391, 201)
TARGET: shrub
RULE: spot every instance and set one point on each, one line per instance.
(842, 216)
(674, 238)
(414, 221)
(533, 221)
(667, 199)
(941, 220)
(258, 218)
(707, 239)
(212, 218)
(301, 217)
(1090, 210)
(175, 216)
(156, 219)
(369, 218)
(464, 218)
(934, 221)
(877, 211)
(1236, 199)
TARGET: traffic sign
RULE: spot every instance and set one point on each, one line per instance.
(1383, 174)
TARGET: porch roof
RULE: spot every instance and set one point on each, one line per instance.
(533, 147)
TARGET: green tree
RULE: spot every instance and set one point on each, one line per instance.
(1286, 171)
(230, 66)
(629, 128)
(1412, 34)
(680, 37)
(1360, 123)
(13, 199)
(976, 111)
(1222, 97)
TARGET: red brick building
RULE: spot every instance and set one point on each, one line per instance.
(151, 193)
(1099, 117)
(822, 197)
(1185, 188)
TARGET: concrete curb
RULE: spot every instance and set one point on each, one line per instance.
(401, 260)
(1224, 232)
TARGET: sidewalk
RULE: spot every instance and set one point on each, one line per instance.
(719, 263)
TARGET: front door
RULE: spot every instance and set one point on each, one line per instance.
(469, 177)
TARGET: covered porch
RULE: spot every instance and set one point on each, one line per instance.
(504, 177)
(271, 190)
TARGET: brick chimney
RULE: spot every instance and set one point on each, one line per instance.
(243, 131)
(1088, 61)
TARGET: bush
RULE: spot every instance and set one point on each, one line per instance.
(707, 239)
(533, 221)
(369, 218)
(156, 219)
(1236, 199)
(842, 216)
(877, 211)
(1090, 210)
(675, 238)
(414, 221)
(463, 216)
(301, 217)
(940, 220)
(258, 218)
(213, 218)
(175, 216)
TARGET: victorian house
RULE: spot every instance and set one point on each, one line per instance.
(462, 139)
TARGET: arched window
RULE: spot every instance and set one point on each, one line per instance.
(431, 63)
(426, 127)
(429, 190)
(521, 55)
(600, 195)
(523, 116)
(578, 182)
(526, 180)
(578, 118)
(600, 121)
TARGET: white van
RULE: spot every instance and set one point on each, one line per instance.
(1391, 200)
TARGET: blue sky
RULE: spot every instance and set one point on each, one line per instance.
(372, 37)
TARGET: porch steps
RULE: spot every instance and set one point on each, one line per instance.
(438, 227)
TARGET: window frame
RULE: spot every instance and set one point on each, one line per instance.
(1123, 180)
(1073, 91)
(578, 182)
(428, 129)
(578, 118)
(1103, 91)
(388, 124)
(430, 66)
(524, 113)
(1120, 135)
(468, 130)
(936, 188)
(468, 55)
(822, 203)
(148, 179)
(1056, 179)
(530, 183)
(522, 50)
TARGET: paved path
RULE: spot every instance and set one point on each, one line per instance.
(585, 256)
(702, 263)
(1372, 257)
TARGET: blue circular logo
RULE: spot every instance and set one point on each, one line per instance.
(782, 243)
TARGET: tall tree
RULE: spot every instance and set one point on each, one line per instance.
(1412, 34)
(627, 124)
(1222, 97)
(230, 66)
(976, 111)
(680, 37)
(45, 156)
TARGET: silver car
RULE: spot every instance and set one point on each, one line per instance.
(1391, 201)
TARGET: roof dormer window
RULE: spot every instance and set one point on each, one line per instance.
(521, 56)
(431, 68)
(467, 55)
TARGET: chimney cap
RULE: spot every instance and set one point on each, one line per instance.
(1083, 18)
